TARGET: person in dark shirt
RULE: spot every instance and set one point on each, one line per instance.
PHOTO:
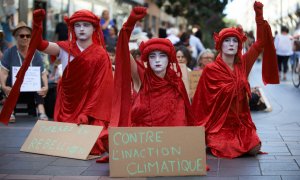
(61, 31)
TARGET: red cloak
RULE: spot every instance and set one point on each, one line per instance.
(86, 88)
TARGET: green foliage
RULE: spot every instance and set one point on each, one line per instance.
(206, 13)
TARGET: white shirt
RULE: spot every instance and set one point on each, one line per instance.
(63, 56)
(283, 45)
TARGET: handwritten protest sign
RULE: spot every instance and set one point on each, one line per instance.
(156, 151)
(194, 77)
(32, 79)
(62, 139)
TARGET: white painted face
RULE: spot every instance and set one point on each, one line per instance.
(83, 30)
(158, 61)
(230, 45)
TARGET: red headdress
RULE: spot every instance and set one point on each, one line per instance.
(160, 44)
(228, 32)
(88, 16)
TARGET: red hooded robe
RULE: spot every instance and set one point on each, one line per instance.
(87, 82)
(221, 99)
(160, 101)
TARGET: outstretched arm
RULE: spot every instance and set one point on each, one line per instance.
(136, 14)
(257, 47)
(43, 45)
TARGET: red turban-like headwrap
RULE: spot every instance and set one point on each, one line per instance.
(88, 16)
(163, 45)
(229, 32)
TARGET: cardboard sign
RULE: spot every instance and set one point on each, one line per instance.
(156, 151)
(62, 139)
(32, 79)
(194, 77)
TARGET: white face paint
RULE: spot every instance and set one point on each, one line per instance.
(158, 61)
(83, 30)
(230, 46)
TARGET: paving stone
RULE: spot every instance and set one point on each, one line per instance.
(289, 133)
(291, 138)
(239, 162)
(290, 177)
(272, 149)
(70, 162)
(18, 171)
(192, 178)
(259, 178)
(290, 126)
(29, 177)
(273, 144)
(295, 152)
(279, 153)
(11, 142)
(279, 166)
(264, 156)
(95, 173)
(2, 175)
(98, 166)
(276, 160)
(288, 157)
(23, 165)
(48, 159)
(75, 178)
(213, 164)
(239, 171)
(270, 137)
(9, 150)
(288, 173)
(62, 171)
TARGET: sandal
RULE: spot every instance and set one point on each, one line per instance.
(43, 117)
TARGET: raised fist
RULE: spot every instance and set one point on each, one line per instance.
(38, 15)
(82, 119)
(258, 8)
(138, 12)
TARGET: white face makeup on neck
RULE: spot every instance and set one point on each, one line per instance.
(158, 61)
(230, 46)
(83, 30)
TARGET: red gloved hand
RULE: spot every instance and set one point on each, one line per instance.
(38, 17)
(136, 14)
(258, 8)
(82, 119)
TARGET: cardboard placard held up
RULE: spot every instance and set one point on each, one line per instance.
(62, 139)
(156, 151)
(194, 77)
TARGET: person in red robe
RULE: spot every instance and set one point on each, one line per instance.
(221, 99)
(160, 97)
(84, 94)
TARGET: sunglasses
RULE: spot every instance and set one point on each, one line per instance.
(24, 35)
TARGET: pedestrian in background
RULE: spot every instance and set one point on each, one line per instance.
(284, 49)
(14, 57)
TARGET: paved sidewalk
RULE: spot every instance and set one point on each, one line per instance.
(279, 131)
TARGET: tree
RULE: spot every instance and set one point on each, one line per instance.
(206, 13)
